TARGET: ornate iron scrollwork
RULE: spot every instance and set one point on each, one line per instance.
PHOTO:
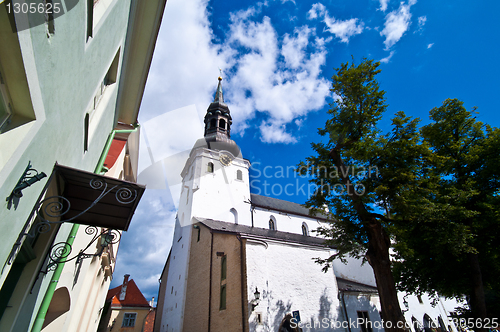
(60, 252)
(57, 206)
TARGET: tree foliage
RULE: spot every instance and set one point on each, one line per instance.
(433, 192)
(448, 245)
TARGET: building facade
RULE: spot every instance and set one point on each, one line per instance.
(245, 262)
(72, 75)
(126, 310)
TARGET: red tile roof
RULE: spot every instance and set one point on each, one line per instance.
(133, 296)
(150, 321)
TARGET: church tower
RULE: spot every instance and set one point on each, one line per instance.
(215, 185)
(215, 179)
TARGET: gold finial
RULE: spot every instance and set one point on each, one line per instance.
(220, 75)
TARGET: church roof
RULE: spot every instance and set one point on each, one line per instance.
(225, 227)
(282, 206)
(133, 296)
(353, 286)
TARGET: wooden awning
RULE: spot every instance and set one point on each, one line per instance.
(96, 200)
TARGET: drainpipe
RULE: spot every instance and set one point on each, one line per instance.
(42, 312)
(100, 165)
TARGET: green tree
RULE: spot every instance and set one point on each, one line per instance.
(449, 243)
(358, 170)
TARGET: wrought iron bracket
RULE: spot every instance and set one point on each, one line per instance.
(29, 177)
(51, 210)
(60, 252)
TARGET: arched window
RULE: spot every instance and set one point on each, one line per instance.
(305, 230)
(442, 325)
(416, 324)
(59, 305)
(272, 223)
(239, 175)
(213, 123)
(222, 123)
(428, 323)
(235, 215)
(210, 167)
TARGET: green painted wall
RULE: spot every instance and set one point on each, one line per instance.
(63, 72)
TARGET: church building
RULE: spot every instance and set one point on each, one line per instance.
(245, 262)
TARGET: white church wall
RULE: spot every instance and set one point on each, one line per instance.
(419, 309)
(289, 280)
(354, 271)
(284, 222)
(370, 303)
(216, 193)
(175, 294)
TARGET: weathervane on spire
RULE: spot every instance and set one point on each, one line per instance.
(220, 74)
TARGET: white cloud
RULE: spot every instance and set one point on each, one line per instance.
(177, 77)
(341, 29)
(282, 88)
(383, 5)
(275, 133)
(387, 58)
(421, 22)
(271, 74)
(396, 24)
(317, 10)
(142, 252)
(430, 45)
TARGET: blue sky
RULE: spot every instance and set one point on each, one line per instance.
(277, 60)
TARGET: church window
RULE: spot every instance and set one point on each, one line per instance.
(419, 297)
(305, 232)
(210, 167)
(272, 225)
(129, 319)
(235, 215)
(223, 271)
(222, 297)
(239, 175)
(213, 123)
(222, 123)
(428, 323)
(366, 325)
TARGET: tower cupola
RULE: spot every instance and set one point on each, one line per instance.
(218, 118)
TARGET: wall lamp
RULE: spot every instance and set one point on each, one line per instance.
(256, 300)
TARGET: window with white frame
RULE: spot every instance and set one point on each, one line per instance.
(129, 319)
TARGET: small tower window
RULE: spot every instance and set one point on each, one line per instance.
(235, 215)
(213, 123)
(272, 225)
(239, 175)
(222, 123)
(223, 268)
(210, 167)
(305, 232)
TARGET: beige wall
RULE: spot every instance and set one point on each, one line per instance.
(116, 320)
(198, 285)
(161, 295)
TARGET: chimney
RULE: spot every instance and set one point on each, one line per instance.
(123, 292)
(152, 302)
